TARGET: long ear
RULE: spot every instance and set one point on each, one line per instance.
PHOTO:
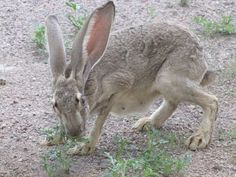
(91, 42)
(56, 47)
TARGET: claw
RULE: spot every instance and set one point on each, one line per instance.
(142, 124)
(81, 149)
(198, 140)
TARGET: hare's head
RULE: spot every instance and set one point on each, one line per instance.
(69, 106)
(89, 45)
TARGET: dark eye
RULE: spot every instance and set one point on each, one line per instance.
(77, 100)
(82, 101)
(55, 105)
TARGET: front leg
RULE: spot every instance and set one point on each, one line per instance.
(89, 147)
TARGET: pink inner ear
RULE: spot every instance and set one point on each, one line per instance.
(98, 38)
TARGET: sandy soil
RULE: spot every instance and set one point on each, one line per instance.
(25, 107)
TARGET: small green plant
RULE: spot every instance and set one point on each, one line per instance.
(54, 135)
(39, 37)
(56, 161)
(223, 26)
(50, 169)
(154, 160)
(151, 11)
(232, 133)
(77, 17)
(183, 3)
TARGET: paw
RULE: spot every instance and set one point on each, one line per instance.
(142, 124)
(87, 149)
(81, 149)
(198, 140)
(56, 139)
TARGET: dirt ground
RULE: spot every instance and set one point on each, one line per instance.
(25, 100)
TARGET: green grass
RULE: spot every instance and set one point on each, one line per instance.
(232, 133)
(151, 11)
(183, 3)
(39, 37)
(153, 160)
(228, 134)
(222, 26)
(56, 160)
(76, 16)
(54, 135)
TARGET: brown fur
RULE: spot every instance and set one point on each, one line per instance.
(139, 64)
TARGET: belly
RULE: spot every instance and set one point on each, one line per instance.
(132, 102)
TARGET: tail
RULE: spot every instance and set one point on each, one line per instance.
(208, 78)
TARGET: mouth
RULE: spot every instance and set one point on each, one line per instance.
(73, 125)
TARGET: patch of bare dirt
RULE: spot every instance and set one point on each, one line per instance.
(25, 106)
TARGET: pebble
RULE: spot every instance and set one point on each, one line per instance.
(217, 167)
(3, 126)
(103, 164)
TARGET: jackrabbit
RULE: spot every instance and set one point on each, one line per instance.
(127, 74)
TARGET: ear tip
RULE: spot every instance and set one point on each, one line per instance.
(110, 3)
(51, 18)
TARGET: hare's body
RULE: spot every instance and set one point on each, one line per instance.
(135, 57)
(125, 75)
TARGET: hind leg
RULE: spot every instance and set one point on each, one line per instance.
(158, 117)
(183, 89)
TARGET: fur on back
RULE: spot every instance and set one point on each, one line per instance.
(133, 59)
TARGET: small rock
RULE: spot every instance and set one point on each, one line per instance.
(3, 126)
(24, 128)
(103, 164)
(217, 167)
(14, 102)
(33, 168)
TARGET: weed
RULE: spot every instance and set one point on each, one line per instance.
(56, 161)
(77, 17)
(151, 11)
(39, 37)
(54, 135)
(183, 3)
(223, 26)
(152, 161)
(232, 133)
(50, 169)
